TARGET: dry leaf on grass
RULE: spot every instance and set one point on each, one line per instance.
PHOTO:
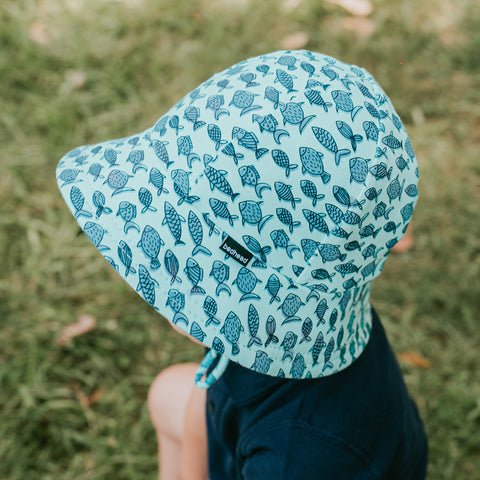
(295, 41)
(84, 324)
(74, 80)
(359, 8)
(86, 400)
(414, 359)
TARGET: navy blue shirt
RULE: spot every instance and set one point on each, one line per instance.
(357, 424)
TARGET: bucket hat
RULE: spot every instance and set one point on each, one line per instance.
(256, 212)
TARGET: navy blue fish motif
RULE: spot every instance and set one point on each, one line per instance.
(192, 114)
(125, 256)
(344, 102)
(329, 72)
(381, 210)
(244, 99)
(327, 354)
(397, 122)
(309, 248)
(270, 327)
(315, 98)
(157, 178)
(253, 324)
(320, 311)
(174, 123)
(368, 269)
(288, 344)
(346, 268)
(185, 146)
(136, 157)
(98, 199)
(172, 266)
(308, 67)
(395, 190)
(335, 213)
(282, 160)
(317, 347)
(215, 135)
(110, 155)
(322, 274)
(346, 131)
(78, 201)
(246, 281)
(229, 150)
(197, 332)
(326, 139)
(371, 131)
(409, 149)
(344, 301)
(293, 113)
(252, 214)
(248, 140)
(220, 209)
(263, 68)
(309, 189)
(269, 123)
(160, 150)
(307, 328)
(372, 193)
(378, 114)
(95, 233)
(380, 171)
(223, 84)
(330, 253)
(288, 61)
(217, 178)
(254, 246)
(315, 221)
(196, 232)
(96, 150)
(392, 142)
(210, 225)
(391, 227)
(159, 126)
(358, 170)
(313, 164)
(401, 163)
(286, 218)
(250, 176)
(284, 192)
(262, 362)
(280, 240)
(369, 230)
(150, 243)
(249, 79)
(272, 94)
(273, 287)
(343, 197)
(194, 273)
(181, 185)
(173, 221)
(312, 83)
(286, 79)
(146, 285)
(290, 306)
(298, 366)
(365, 91)
(117, 180)
(145, 198)
(231, 329)
(94, 170)
(407, 211)
(221, 273)
(215, 102)
(210, 308)
(332, 320)
(353, 218)
(353, 245)
(195, 95)
(176, 301)
(128, 211)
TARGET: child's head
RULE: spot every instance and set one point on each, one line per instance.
(256, 212)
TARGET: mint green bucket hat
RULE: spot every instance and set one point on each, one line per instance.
(256, 212)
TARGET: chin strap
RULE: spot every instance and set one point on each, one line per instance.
(216, 372)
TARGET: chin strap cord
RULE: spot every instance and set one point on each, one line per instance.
(216, 372)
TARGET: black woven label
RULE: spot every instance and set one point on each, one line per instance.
(233, 249)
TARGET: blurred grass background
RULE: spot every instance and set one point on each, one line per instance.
(83, 71)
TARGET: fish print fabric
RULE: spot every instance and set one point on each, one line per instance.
(296, 156)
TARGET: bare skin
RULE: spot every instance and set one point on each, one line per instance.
(177, 409)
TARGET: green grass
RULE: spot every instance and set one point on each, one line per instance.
(138, 58)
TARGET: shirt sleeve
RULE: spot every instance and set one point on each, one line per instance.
(294, 450)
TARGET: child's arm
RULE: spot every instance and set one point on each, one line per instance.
(194, 445)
